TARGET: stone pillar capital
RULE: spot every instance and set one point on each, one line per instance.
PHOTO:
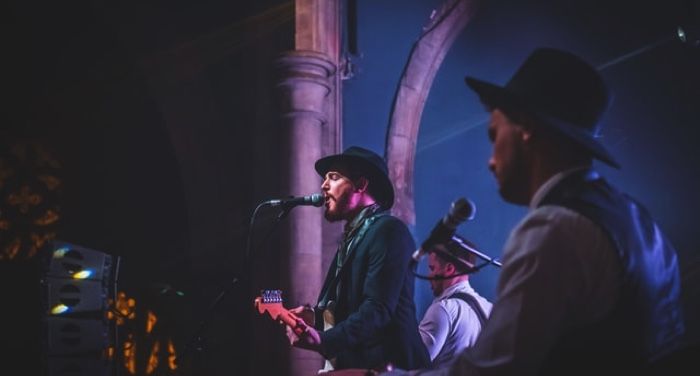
(305, 81)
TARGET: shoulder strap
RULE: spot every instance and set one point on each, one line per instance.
(471, 301)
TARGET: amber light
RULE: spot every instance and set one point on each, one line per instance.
(123, 312)
(30, 210)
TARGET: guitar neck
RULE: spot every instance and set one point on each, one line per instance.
(287, 318)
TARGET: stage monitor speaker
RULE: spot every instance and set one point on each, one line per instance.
(70, 297)
(77, 285)
(75, 262)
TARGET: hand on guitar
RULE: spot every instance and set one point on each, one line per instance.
(306, 338)
(299, 332)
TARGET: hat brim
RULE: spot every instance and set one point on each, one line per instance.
(384, 187)
(494, 96)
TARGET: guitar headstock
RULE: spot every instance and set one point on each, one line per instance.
(270, 301)
(271, 296)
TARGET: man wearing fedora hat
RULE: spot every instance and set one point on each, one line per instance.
(455, 318)
(589, 284)
(365, 315)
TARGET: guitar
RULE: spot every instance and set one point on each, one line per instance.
(270, 301)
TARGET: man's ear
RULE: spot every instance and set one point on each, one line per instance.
(526, 134)
(450, 269)
(527, 127)
(361, 184)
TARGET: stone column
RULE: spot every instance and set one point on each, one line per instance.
(310, 93)
(305, 86)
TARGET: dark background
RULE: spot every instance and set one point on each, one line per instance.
(162, 115)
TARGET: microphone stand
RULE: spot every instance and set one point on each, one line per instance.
(196, 341)
(458, 239)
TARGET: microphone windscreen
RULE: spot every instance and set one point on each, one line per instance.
(461, 210)
(317, 199)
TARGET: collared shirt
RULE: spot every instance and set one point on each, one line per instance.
(450, 325)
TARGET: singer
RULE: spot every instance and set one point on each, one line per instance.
(365, 317)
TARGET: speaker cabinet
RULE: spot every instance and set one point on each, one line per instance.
(77, 284)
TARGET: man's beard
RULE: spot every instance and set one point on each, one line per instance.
(514, 180)
(340, 209)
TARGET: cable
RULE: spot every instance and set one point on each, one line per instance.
(250, 230)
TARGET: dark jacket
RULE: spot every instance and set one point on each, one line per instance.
(374, 309)
(647, 322)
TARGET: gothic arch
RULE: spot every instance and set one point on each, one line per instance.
(423, 63)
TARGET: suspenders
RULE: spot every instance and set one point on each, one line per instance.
(471, 301)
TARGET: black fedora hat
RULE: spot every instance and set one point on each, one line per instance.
(559, 88)
(365, 162)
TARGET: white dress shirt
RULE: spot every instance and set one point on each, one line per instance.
(450, 325)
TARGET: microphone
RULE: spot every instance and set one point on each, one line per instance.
(315, 199)
(461, 210)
